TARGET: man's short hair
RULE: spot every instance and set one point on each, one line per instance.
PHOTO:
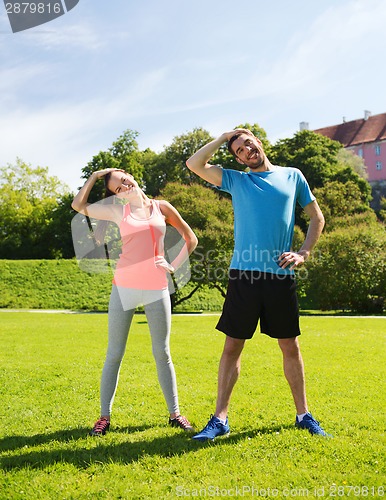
(232, 140)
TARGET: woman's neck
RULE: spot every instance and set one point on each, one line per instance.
(140, 207)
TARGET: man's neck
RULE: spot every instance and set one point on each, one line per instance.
(266, 166)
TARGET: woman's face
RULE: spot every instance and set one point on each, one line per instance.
(123, 184)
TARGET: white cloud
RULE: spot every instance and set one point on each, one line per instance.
(316, 58)
(68, 90)
(68, 37)
(65, 135)
(14, 78)
(63, 36)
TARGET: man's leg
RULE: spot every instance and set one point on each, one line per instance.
(228, 373)
(294, 372)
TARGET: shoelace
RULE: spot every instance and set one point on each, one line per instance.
(182, 420)
(211, 424)
(101, 425)
(314, 424)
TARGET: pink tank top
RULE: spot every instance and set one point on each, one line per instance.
(142, 241)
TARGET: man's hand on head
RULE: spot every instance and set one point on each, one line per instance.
(229, 135)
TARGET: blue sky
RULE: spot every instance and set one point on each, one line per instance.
(70, 87)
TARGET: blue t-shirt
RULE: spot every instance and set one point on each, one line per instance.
(264, 209)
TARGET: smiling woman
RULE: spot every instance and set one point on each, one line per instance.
(140, 278)
(120, 183)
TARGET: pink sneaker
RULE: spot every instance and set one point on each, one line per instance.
(100, 427)
(181, 422)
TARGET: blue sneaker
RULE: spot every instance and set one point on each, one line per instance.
(311, 425)
(214, 428)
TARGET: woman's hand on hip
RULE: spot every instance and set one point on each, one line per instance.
(162, 263)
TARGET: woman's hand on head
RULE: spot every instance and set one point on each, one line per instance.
(99, 174)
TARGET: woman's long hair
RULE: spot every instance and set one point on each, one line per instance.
(102, 225)
(109, 197)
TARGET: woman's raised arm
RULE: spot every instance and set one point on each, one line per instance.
(95, 210)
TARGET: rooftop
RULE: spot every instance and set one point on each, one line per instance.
(369, 129)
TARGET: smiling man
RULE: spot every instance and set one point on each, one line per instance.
(261, 283)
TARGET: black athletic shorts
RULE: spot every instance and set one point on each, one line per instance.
(253, 296)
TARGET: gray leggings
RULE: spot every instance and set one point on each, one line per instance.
(123, 302)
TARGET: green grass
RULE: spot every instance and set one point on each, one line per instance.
(49, 391)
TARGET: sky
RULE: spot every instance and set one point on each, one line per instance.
(70, 87)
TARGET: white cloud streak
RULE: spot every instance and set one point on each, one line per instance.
(44, 124)
(332, 42)
(59, 132)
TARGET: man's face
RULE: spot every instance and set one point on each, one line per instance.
(249, 151)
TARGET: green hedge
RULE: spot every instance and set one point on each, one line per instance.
(52, 284)
(61, 284)
(348, 270)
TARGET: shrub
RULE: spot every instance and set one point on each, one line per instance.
(348, 270)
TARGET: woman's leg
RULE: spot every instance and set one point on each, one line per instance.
(158, 314)
(119, 321)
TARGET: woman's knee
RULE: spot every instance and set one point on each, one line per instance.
(114, 357)
(161, 353)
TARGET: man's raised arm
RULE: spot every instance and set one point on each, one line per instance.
(198, 163)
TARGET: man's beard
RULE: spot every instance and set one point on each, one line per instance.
(259, 163)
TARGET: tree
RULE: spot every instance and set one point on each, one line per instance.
(124, 154)
(346, 174)
(314, 154)
(28, 197)
(59, 228)
(170, 164)
(348, 158)
(340, 201)
(327, 168)
(382, 211)
(347, 271)
(211, 218)
(153, 174)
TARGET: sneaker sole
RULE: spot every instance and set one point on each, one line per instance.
(182, 429)
(222, 436)
(93, 433)
(312, 433)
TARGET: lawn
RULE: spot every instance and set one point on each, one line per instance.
(49, 387)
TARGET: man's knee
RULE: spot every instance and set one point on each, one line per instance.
(289, 347)
(233, 347)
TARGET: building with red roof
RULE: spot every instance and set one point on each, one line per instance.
(366, 137)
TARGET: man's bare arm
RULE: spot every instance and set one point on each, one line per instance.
(198, 163)
(315, 228)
